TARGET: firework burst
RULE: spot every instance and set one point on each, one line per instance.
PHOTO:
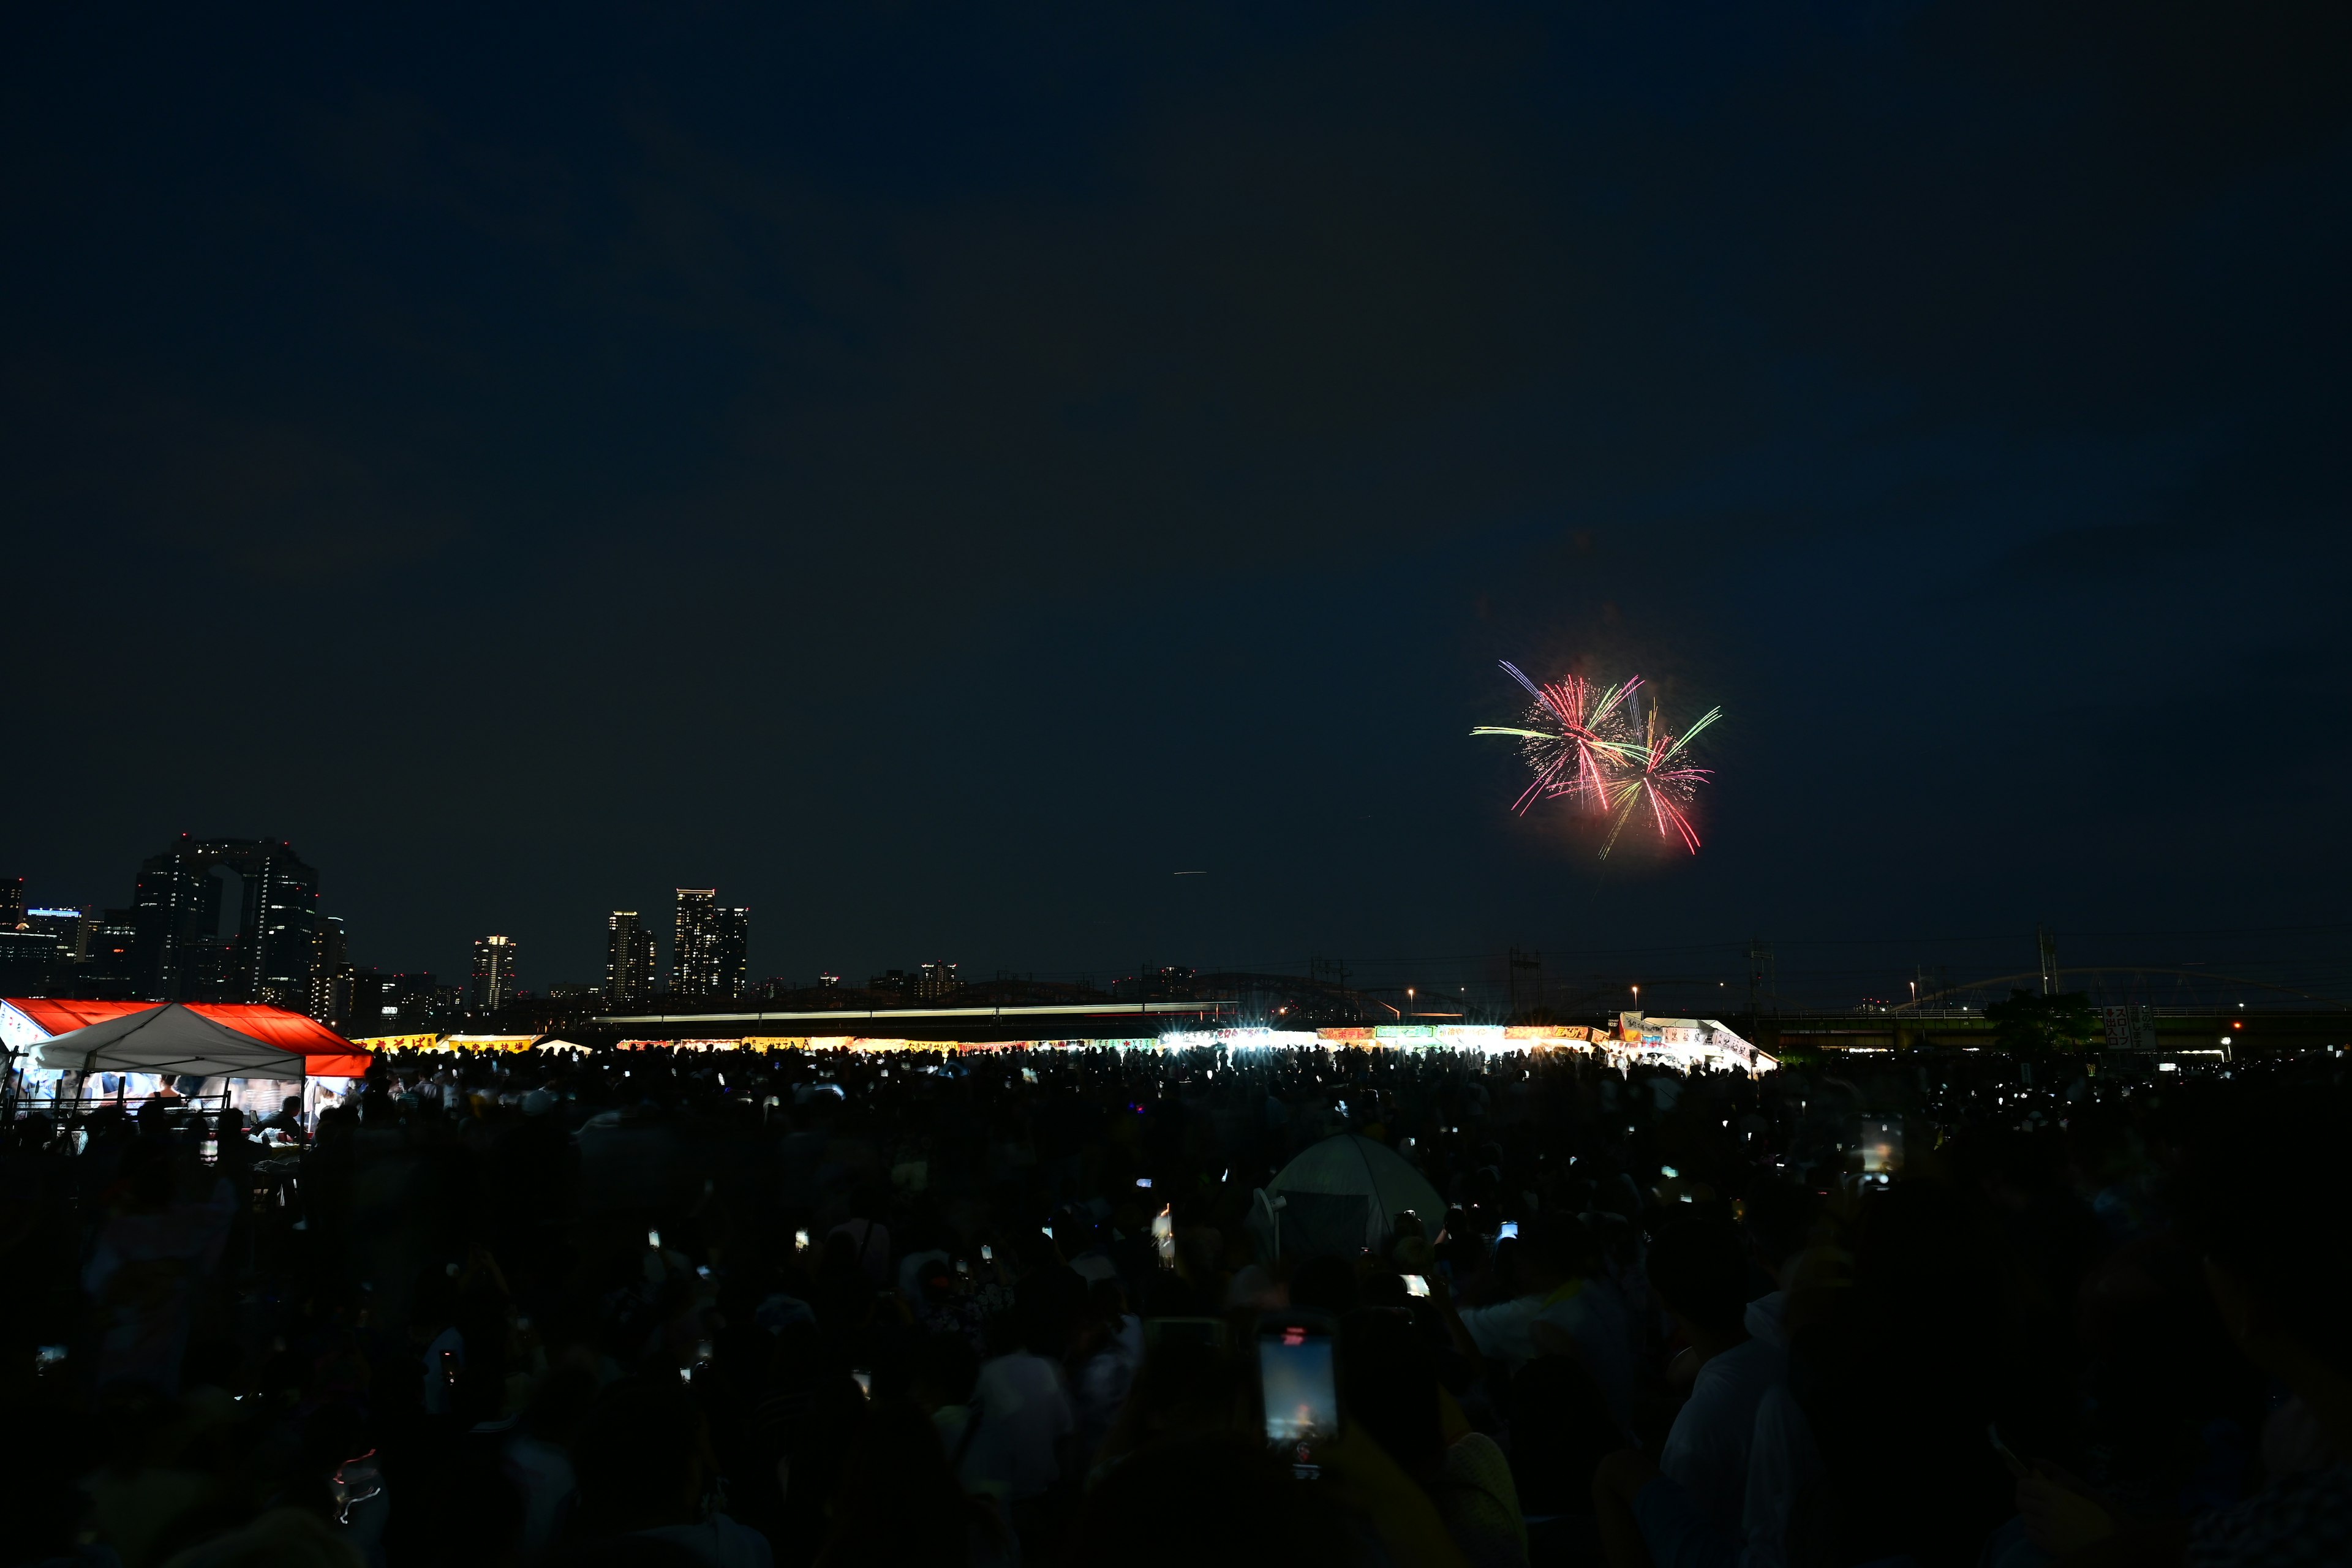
(1594, 747)
(1660, 776)
(1574, 736)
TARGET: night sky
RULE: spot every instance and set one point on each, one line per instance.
(936, 477)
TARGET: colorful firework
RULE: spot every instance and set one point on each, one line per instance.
(1574, 736)
(1594, 747)
(1660, 776)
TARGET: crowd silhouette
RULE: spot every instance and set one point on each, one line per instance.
(1000, 1308)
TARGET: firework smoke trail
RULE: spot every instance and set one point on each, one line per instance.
(1584, 734)
(1657, 773)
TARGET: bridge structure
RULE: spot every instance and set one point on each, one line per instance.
(2223, 1033)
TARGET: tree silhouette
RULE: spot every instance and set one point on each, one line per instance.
(2038, 1025)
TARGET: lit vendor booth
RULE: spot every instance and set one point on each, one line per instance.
(247, 1056)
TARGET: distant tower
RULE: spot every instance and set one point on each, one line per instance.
(227, 919)
(2046, 942)
(330, 975)
(710, 951)
(168, 909)
(494, 973)
(732, 949)
(64, 925)
(691, 968)
(632, 961)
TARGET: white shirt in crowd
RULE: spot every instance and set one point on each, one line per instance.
(1593, 1318)
(542, 1474)
(1506, 1330)
(1705, 1453)
(1023, 1411)
(1767, 1319)
(1104, 1380)
(1591, 1315)
(1783, 1468)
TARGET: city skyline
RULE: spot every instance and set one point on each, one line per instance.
(2273, 965)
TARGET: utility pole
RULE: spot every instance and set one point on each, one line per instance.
(1761, 981)
(1520, 961)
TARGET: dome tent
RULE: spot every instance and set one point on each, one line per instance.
(1344, 1195)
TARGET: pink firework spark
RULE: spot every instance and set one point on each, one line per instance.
(1576, 736)
(1656, 772)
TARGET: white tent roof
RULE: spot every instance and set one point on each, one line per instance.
(1353, 1166)
(169, 1039)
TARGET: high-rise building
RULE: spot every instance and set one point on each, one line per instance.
(167, 909)
(109, 965)
(632, 961)
(710, 952)
(690, 943)
(41, 951)
(331, 976)
(928, 982)
(372, 1008)
(732, 949)
(12, 903)
(227, 919)
(494, 973)
(65, 926)
(392, 1004)
(28, 960)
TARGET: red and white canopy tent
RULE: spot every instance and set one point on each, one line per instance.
(201, 1039)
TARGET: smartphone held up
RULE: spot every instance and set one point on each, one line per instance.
(1299, 1389)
